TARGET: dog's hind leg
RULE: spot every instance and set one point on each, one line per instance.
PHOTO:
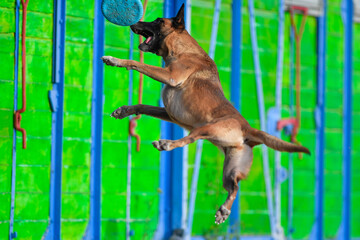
(203, 132)
(157, 112)
(225, 132)
(237, 164)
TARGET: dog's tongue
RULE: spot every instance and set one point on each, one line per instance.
(148, 40)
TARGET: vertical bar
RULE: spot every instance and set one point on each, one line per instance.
(279, 76)
(235, 95)
(163, 229)
(188, 16)
(16, 79)
(177, 169)
(129, 141)
(57, 119)
(291, 165)
(261, 105)
(320, 125)
(214, 30)
(346, 214)
(94, 228)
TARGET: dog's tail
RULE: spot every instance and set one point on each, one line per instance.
(258, 137)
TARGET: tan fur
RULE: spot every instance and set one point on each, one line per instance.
(194, 99)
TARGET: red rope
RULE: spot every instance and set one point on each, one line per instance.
(17, 115)
(132, 123)
(298, 36)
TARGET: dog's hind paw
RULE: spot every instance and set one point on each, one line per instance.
(162, 145)
(121, 112)
(222, 214)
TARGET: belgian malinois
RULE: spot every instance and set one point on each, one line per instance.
(194, 99)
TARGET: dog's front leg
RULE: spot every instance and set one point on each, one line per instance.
(157, 112)
(157, 73)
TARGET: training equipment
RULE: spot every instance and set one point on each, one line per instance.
(122, 12)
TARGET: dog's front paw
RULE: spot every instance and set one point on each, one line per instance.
(162, 145)
(222, 214)
(121, 112)
(112, 61)
(109, 60)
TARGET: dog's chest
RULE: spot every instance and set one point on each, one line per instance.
(174, 105)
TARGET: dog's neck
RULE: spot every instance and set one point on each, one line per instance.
(175, 45)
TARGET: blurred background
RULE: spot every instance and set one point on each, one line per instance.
(291, 67)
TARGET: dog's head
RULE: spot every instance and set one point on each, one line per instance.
(155, 32)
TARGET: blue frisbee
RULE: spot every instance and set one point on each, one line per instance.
(122, 12)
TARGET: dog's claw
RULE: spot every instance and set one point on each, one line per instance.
(121, 112)
(222, 214)
(163, 145)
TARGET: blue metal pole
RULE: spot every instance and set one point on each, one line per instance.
(278, 98)
(291, 110)
(261, 104)
(94, 227)
(346, 213)
(164, 229)
(235, 95)
(12, 234)
(320, 126)
(129, 141)
(57, 103)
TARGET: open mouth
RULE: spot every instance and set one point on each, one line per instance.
(146, 34)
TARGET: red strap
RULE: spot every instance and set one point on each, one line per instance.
(17, 115)
(132, 123)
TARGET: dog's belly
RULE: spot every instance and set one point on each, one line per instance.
(177, 110)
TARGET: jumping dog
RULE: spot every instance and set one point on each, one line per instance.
(194, 99)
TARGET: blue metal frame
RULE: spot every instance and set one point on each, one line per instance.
(320, 127)
(235, 95)
(347, 10)
(97, 103)
(12, 234)
(57, 102)
(261, 105)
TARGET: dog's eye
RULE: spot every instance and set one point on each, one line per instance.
(158, 20)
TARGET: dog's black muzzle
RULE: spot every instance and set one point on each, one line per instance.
(147, 30)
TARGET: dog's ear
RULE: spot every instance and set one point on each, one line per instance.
(179, 22)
